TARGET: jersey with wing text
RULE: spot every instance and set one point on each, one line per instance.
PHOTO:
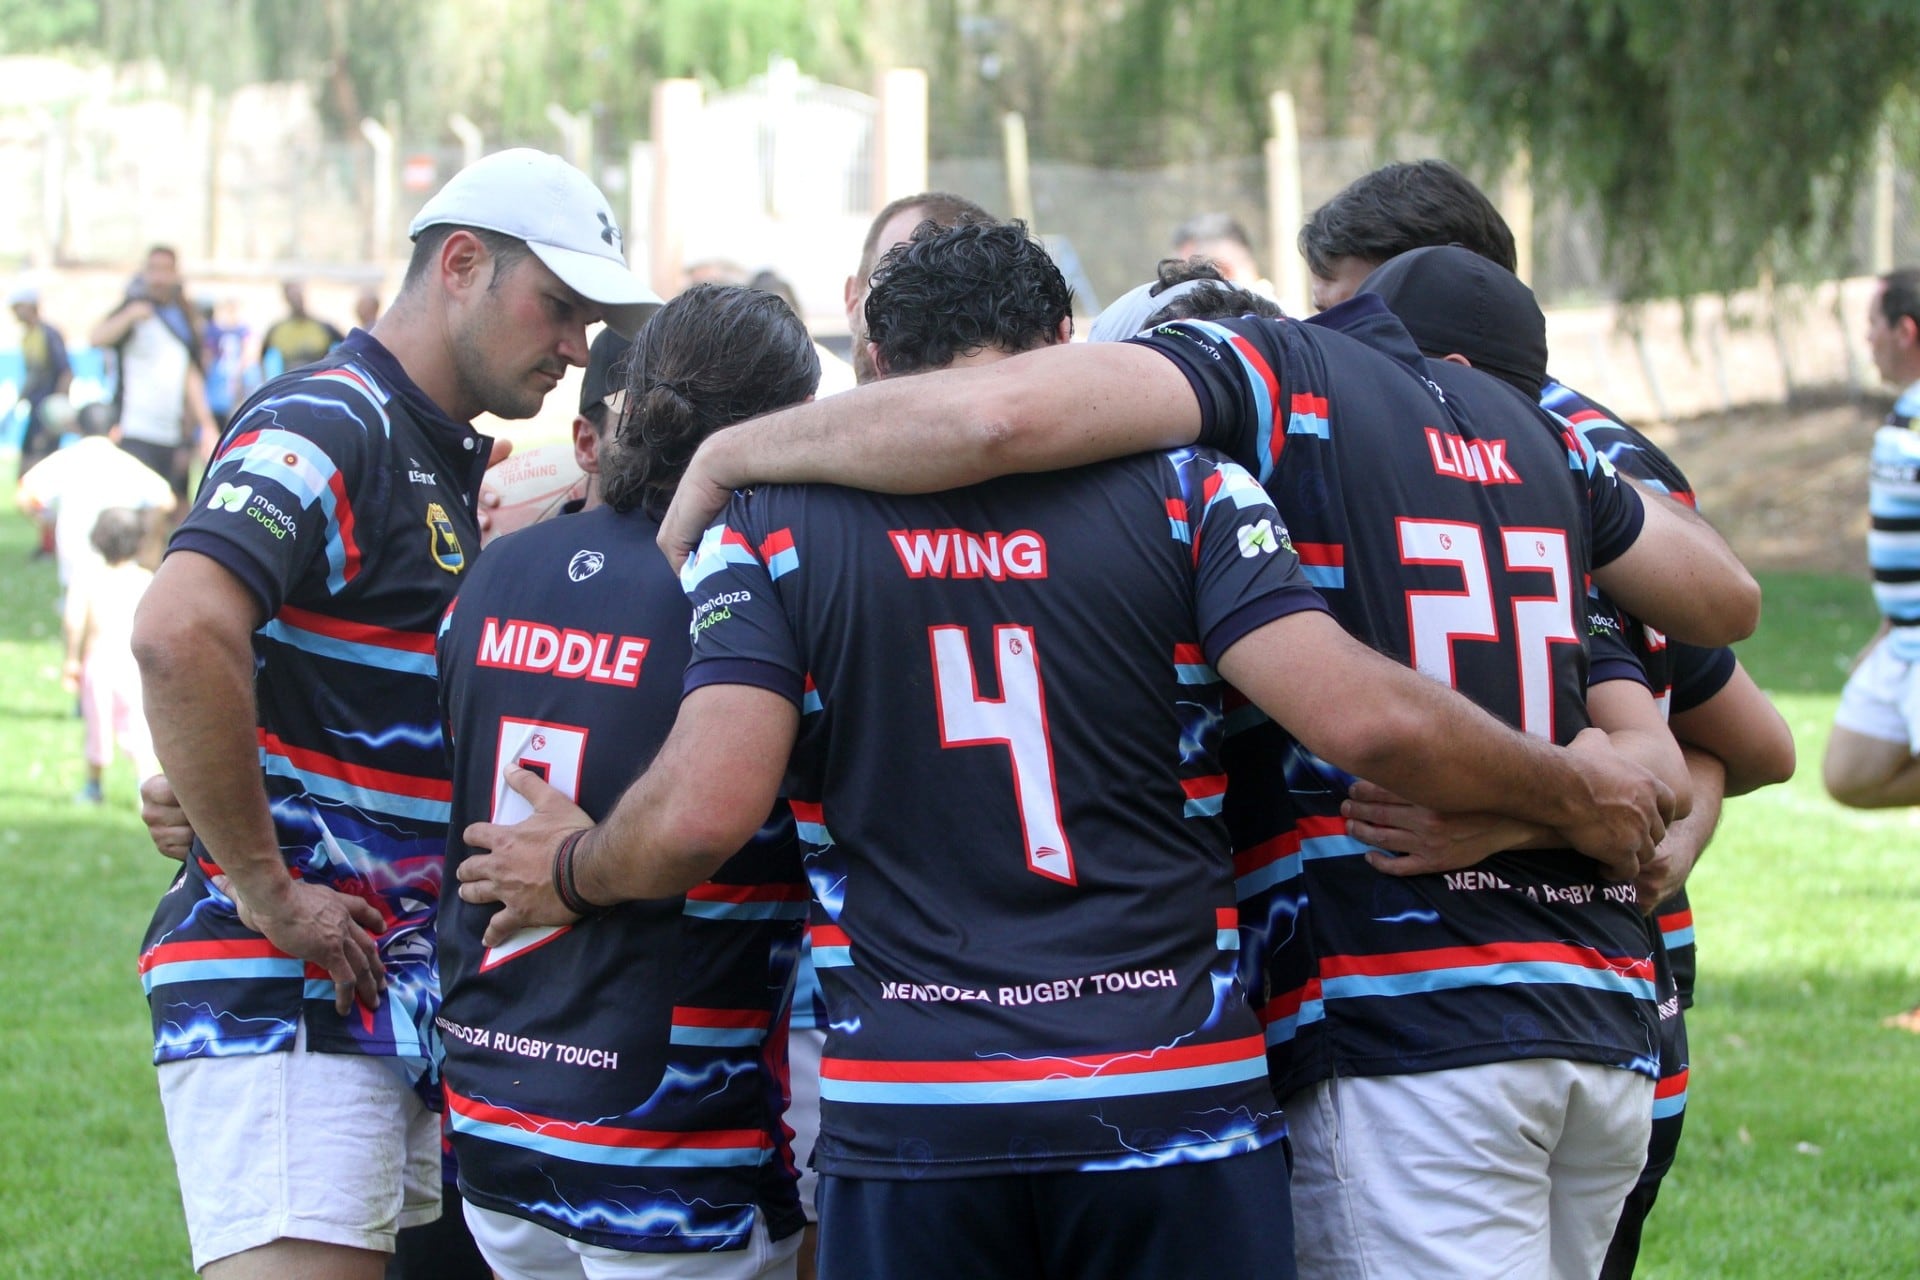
(619, 1080)
(1451, 525)
(1008, 793)
(342, 499)
(1893, 537)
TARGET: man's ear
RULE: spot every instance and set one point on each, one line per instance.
(850, 298)
(879, 362)
(1907, 330)
(463, 261)
(1064, 333)
(1457, 358)
(586, 446)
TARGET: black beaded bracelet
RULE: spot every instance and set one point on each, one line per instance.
(564, 886)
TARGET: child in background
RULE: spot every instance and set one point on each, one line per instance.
(99, 634)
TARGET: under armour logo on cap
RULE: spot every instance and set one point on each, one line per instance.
(609, 232)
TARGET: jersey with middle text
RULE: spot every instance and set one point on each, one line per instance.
(1451, 525)
(1893, 536)
(342, 499)
(619, 1080)
(1008, 792)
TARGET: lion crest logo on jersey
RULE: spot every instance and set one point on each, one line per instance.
(443, 542)
(584, 565)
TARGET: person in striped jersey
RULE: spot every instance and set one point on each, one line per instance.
(1873, 756)
(615, 1087)
(287, 657)
(1031, 971)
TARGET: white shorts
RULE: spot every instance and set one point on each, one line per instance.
(1509, 1169)
(517, 1249)
(804, 1045)
(1882, 699)
(330, 1147)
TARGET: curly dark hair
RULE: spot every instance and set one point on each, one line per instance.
(955, 291)
(715, 355)
(1399, 207)
(1214, 299)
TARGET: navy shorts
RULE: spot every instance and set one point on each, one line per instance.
(1217, 1218)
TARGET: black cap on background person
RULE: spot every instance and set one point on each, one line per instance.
(1455, 302)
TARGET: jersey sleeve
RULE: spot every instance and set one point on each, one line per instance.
(1698, 674)
(1614, 506)
(740, 630)
(1233, 367)
(1246, 573)
(1610, 655)
(276, 508)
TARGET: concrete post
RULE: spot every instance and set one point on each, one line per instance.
(676, 168)
(1013, 134)
(1286, 206)
(380, 217)
(899, 135)
(473, 143)
(1516, 203)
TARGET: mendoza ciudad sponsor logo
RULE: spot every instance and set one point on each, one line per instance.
(712, 613)
(257, 506)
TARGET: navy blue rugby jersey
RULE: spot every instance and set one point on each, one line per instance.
(620, 1080)
(343, 499)
(1683, 676)
(1452, 525)
(1008, 793)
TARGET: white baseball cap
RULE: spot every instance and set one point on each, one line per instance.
(541, 199)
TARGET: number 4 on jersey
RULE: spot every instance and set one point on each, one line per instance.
(1016, 720)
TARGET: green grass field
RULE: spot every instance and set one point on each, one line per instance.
(1802, 1143)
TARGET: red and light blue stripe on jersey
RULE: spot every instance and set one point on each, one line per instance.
(719, 547)
(830, 946)
(356, 642)
(1267, 387)
(778, 552)
(1205, 795)
(1226, 928)
(1399, 973)
(299, 466)
(810, 697)
(217, 960)
(1285, 1012)
(998, 1080)
(1190, 665)
(1676, 928)
(809, 824)
(1670, 1095)
(719, 1028)
(1177, 520)
(1260, 867)
(1323, 563)
(373, 791)
(356, 381)
(1307, 416)
(605, 1144)
(747, 901)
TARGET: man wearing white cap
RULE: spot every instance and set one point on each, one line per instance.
(287, 654)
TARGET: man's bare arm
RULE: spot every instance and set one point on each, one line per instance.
(1057, 407)
(670, 830)
(193, 639)
(109, 331)
(1687, 839)
(1740, 726)
(1379, 720)
(1682, 578)
(1422, 840)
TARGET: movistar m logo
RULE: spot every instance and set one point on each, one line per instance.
(230, 497)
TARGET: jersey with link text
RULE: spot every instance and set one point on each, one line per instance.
(1450, 524)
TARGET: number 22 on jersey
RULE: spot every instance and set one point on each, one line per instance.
(1016, 720)
(1437, 620)
(554, 752)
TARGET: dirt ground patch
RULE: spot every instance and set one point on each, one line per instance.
(1786, 484)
